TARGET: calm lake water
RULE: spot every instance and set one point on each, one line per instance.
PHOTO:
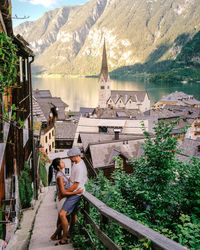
(83, 92)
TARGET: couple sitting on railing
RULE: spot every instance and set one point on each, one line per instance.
(72, 188)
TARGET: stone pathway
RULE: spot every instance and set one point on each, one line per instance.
(45, 224)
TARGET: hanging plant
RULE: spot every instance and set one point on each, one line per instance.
(8, 62)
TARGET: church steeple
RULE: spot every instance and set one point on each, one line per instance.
(104, 66)
(104, 81)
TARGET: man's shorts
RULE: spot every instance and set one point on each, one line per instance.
(71, 203)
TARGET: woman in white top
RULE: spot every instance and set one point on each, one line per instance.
(63, 183)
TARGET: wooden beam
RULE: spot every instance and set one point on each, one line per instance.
(2, 23)
(8, 202)
(107, 242)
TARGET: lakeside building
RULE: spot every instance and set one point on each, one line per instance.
(119, 99)
(178, 99)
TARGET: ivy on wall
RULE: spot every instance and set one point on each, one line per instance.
(8, 62)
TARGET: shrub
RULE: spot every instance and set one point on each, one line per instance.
(25, 187)
(43, 172)
(43, 175)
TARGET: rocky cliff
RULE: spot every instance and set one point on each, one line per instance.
(69, 40)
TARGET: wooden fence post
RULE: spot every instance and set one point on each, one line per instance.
(103, 222)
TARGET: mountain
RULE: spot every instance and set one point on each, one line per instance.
(69, 40)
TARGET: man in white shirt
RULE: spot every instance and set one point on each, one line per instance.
(78, 180)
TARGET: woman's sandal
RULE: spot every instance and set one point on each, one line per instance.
(60, 243)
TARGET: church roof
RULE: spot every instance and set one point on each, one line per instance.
(104, 66)
(127, 95)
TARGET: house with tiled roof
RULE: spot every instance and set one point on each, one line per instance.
(178, 99)
(101, 155)
(119, 99)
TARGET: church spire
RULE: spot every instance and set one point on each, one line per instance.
(104, 66)
(104, 81)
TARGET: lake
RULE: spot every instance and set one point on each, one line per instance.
(83, 92)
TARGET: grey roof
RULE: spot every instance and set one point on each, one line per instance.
(175, 96)
(192, 102)
(181, 98)
(92, 138)
(86, 111)
(37, 112)
(65, 130)
(42, 93)
(127, 95)
(108, 113)
(189, 147)
(47, 103)
(102, 153)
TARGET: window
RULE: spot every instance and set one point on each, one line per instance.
(103, 129)
(47, 151)
(130, 102)
(108, 87)
(102, 87)
(46, 140)
(49, 148)
(52, 132)
(49, 136)
(26, 69)
(53, 144)
(21, 68)
(67, 171)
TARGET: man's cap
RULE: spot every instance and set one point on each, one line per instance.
(74, 152)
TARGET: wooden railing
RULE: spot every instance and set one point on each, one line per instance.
(107, 214)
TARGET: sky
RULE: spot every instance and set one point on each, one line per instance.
(35, 8)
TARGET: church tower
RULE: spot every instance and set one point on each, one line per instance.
(104, 81)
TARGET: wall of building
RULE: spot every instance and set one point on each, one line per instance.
(104, 92)
(145, 104)
(47, 141)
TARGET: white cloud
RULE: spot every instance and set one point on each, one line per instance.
(45, 3)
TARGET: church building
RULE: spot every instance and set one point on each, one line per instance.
(119, 99)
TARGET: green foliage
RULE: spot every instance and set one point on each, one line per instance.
(43, 172)
(1, 225)
(162, 193)
(25, 187)
(8, 62)
(190, 50)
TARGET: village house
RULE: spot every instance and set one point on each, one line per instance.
(178, 99)
(44, 127)
(107, 126)
(16, 144)
(49, 109)
(65, 133)
(101, 155)
(118, 99)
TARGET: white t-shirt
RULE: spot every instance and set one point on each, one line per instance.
(79, 174)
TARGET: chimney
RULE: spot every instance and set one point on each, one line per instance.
(117, 131)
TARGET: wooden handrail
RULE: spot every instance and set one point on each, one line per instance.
(158, 241)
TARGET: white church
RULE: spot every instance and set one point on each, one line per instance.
(119, 99)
